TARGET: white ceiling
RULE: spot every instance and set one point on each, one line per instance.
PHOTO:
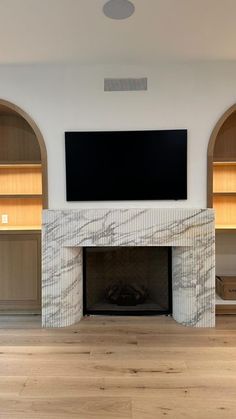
(33, 31)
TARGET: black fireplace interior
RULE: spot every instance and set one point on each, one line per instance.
(127, 280)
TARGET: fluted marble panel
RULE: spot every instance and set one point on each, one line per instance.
(189, 231)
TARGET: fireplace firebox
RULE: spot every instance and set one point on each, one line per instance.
(127, 280)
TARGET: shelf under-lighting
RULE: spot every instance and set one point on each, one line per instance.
(225, 163)
(225, 226)
(20, 228)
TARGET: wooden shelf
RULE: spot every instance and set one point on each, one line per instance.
(224, 193)
(20, 196)
(220, 301)
(225, 306)
(18, 165)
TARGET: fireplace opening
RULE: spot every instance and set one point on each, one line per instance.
(127, 280)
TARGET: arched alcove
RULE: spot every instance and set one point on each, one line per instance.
(23, 195)
(10, 110)
(221, 195)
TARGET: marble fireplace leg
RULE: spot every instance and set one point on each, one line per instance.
(62, 287)
(183, 286)
(205, 290)
(193, 286)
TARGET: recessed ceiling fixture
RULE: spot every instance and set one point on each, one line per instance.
(118, 9)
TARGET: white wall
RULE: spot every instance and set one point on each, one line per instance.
(71, 97)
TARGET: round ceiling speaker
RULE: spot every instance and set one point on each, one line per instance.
(118, 9)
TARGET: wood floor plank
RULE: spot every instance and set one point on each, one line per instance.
(12, 386)
(164, 354)
(63, 408)
(198, 386)
(84, 340)
(173, 408)
(78, 367)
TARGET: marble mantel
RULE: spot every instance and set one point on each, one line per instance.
(190, 232)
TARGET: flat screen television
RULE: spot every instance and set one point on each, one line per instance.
(126, 165)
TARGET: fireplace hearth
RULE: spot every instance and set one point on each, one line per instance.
(127, 280)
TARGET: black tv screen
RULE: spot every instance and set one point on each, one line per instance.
(126, 165)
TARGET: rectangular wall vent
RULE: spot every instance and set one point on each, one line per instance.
(119, 85)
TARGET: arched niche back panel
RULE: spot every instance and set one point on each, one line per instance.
(32, 147)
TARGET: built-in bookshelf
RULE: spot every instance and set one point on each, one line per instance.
(20, 174)
(21, 195)
(224, 194)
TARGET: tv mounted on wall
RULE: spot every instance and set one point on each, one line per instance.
(126, 165)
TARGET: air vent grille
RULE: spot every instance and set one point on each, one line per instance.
(124, 84)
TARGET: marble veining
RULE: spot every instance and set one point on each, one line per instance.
(189, 231)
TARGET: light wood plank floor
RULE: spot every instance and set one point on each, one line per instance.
(110, 368)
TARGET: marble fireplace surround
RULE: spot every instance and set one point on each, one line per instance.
(189, 231)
